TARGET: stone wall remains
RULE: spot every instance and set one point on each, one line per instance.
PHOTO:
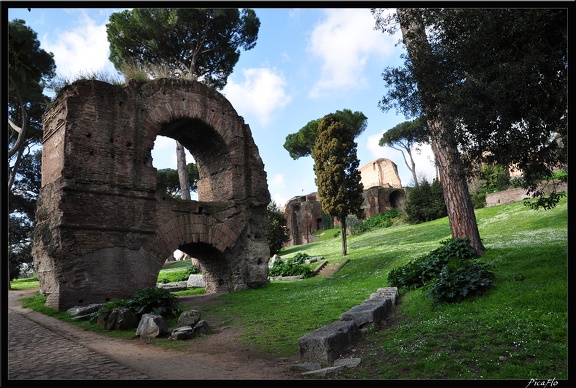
(104, 232)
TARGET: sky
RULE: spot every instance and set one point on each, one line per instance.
(307, 63)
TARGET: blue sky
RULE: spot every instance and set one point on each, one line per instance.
(307, 63)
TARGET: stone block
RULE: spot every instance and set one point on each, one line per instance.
(327, 343)
(196, 281)
(368, 314)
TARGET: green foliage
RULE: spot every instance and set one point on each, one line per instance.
(451, 273)
(542, 201)
(478, 200)
(21, 218)
(301, 143)
(168, 182)
(192, 42)
(461, 279)
(294, 266)
(492, 178)
(149, 300)
(404, 136)
(336, 167)
(425, 202)
(546, 203)
(179, 273)
(29, 69)
(24, 283)
(381, 220)
(278, 232)
(418, 271)
(483, 97)
(561, 175)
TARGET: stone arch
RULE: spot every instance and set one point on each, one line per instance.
(103, 232)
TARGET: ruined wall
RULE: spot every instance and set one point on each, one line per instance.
(304, 216)
(519, 194)
(384, 193)
(380, 173)
(103, 232)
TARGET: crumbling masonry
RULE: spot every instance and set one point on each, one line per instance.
(103, 231)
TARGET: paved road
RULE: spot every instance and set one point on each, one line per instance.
(44, 348)
(38, 351)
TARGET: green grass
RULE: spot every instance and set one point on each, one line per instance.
(518, 330)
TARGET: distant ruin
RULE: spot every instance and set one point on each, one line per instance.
(103, 232)
(383, 191)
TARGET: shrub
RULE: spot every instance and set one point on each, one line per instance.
(479, 200)
(192, 270)
(381, 220)
(150, 300)
(451, 272)
(294, 266)
(278, 232)
(459, 280)
(425, 202)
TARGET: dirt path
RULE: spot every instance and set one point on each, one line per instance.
(217, 356)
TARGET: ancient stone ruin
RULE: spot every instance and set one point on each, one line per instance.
(103, 231)
(383, 191)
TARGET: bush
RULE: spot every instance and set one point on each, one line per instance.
(292, 267)
(150, 300)
(459, 280)
(479, 200)
(451, 273)
(278, 232)
(381, 220)
(425, 202)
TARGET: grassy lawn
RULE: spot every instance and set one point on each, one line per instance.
(519, 330)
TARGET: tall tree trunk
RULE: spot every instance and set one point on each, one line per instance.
(455, 187)
(182, 171)
(451, 171)
(343, 233)
(412, 166)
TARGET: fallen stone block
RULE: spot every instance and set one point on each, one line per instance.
(386, 292)
(367, 315)
(327, 343)
(189, 318)
(196, 281)
(152, 326)
(119, 318)
(182, 333)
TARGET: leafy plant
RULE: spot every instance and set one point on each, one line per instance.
(294, 266)
(461, 279)
(425, 202)
(450, 271)
(381, 220)
(149, 300)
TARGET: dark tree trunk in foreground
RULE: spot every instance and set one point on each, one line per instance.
(451, 171)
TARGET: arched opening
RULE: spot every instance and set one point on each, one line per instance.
(397, 198)
(112, 232)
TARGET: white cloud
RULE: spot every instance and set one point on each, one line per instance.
(262, 93)
(344, 43)
(280, 200)
(277, 180)
(82, 50)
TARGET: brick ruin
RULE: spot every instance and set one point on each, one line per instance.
(383, 191)
(103, 232)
